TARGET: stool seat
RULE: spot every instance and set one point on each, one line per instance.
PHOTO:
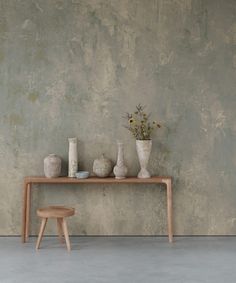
(55, 212)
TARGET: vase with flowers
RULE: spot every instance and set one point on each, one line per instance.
(142, 128)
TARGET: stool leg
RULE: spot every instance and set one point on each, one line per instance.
(65, 230)
(41, 231)
(60, 230)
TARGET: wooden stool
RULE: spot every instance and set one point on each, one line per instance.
(58, 212)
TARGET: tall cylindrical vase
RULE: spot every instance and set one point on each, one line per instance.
(73, 157)
(120, 170)
(144, 148)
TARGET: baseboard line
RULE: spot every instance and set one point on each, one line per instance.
(127, 236)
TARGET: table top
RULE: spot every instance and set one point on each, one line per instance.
(96, 180)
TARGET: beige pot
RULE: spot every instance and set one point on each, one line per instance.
(52, 166)
(102, 167)
(143, 148)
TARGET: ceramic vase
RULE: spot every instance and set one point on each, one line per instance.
(52, 166)
(120, 170)
(73, 157)
(102, 167)
(143, 149)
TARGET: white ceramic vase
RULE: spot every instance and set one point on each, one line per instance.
(73, 157)
(120, 170)
(144, 148)
(52, 166)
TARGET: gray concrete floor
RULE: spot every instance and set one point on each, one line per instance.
(119, 259)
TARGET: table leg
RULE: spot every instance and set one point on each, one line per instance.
(27, 217)
(24, 204)
(169, 210)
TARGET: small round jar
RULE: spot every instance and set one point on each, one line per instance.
(102, 167)
(52, 166)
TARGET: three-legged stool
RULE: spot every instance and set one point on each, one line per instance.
(60, 213)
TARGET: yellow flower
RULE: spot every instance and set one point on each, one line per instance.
(131, 120)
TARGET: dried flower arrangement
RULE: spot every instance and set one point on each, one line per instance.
(140, 125)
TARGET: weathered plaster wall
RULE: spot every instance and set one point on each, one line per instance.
(73, 67)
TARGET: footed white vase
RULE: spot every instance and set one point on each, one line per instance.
(143, 148)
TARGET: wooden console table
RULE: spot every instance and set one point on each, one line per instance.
(30, 181)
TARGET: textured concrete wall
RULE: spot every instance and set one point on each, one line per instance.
(73, 67)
